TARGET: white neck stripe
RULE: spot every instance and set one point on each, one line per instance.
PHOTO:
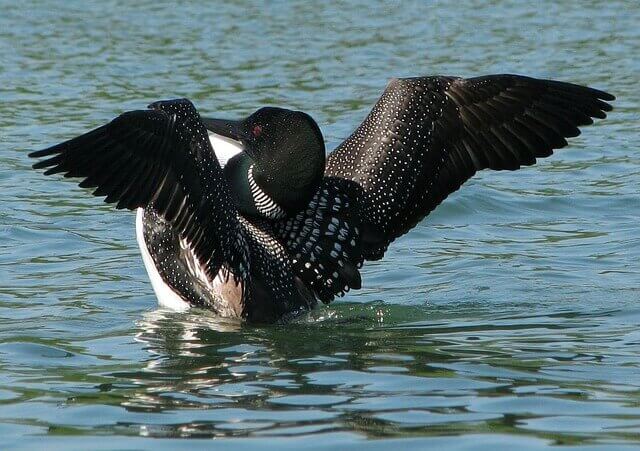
(263, 202)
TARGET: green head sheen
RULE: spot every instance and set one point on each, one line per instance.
(287, 149)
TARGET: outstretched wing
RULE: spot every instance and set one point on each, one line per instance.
(426, 136)
(160, 156)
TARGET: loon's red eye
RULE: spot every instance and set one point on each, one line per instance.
(256, 131)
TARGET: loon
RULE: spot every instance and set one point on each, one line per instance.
(251, 219)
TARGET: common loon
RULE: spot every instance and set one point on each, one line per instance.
(278, 226)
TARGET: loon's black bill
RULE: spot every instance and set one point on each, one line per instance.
(224, 127)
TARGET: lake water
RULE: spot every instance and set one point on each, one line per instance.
(508, 318)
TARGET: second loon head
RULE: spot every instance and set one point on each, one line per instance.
(282, 162)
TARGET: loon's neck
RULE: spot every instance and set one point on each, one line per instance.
(250, 198)
(263, 202)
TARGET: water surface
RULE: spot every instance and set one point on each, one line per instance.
(509, 318)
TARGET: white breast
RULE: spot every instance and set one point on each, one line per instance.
(165, 294)
(225, 148)
(222, 287)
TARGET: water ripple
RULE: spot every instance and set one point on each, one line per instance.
(507, 320)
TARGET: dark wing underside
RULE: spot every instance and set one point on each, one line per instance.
(426, 136)
(161, 156)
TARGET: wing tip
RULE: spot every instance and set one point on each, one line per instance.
(51, 164)
(604, 95)
(40, 164)
(42, 153)
(53, 170)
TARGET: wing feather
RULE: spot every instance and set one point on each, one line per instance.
(426, 136)
(160, 157)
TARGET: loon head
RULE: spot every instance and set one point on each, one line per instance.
(282, 162)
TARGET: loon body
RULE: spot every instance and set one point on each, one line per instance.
(168, 296)
(250, 219)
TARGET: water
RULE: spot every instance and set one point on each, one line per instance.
(509, 318)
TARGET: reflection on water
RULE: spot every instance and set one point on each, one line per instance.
(489, 373)
(567, 377)
(508, 320)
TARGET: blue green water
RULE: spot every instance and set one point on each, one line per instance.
(509, 318)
